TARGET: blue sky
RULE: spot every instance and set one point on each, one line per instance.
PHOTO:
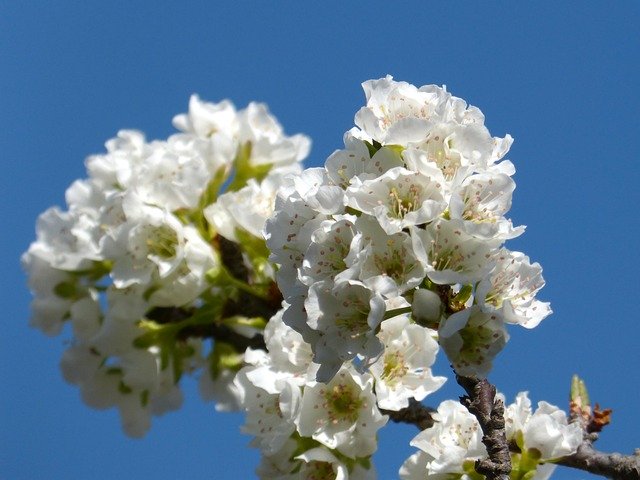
(561, 77)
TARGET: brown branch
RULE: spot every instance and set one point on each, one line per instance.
(489, 411)
(416, 414)
(610, 465)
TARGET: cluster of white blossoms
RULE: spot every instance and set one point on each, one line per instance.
(390, 251)
(306, 429)
(408, 217)
(451, 447)
(136, 264)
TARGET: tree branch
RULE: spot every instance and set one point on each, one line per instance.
(489, 411)
(416, 413)
(610, 465)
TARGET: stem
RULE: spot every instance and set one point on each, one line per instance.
(396, 311)
(242, 286)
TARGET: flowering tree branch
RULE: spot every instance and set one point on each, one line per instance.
(317, 300)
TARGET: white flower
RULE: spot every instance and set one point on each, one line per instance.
(288, 358)
(115, 170)
(269, 416)
(320, 464)
(355, 161)
(280, 465)
(116, 334)
(386, 263)
(456, 150)
(315, 188)
(103, 385)
(268, 142)
(398, 198)
(416, 468)
(248, 208)
(546, 430)
(397, 112)
(49, 310)
(403, 370)
(86, 316)
(455, 438)
(150, 241)
(342, 414)
(511, 288)
(187, 282)
(66, 240)
(135, 417)
(288, 234)
(451, 255)
(517, 414)
(172, 176)
(346, 315)
(481, 201)
(206, 119)
(471, 339)
(329, 251)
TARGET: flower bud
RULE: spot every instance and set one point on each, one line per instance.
(426, 306)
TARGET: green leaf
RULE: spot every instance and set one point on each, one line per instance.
(252, 245)
(257, 252)
(244, 170)
(579, 393)
(210, 194)
(373, 147)
(239, 320)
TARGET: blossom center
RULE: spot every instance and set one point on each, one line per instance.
(342, 404)
(394, 368)
(393, 263)
(402, 201)
(315, 470)
(353, 317)
(162, 242)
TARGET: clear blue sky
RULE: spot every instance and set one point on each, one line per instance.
(561, 77)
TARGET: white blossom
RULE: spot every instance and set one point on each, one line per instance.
(342, 413)
(546, 430)
(346, 315)
(269, 416)
(451, 255)
(455, 437)
(471, 339)
(398, 199)
(356, 162)
(511, 288)
(403, 370)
